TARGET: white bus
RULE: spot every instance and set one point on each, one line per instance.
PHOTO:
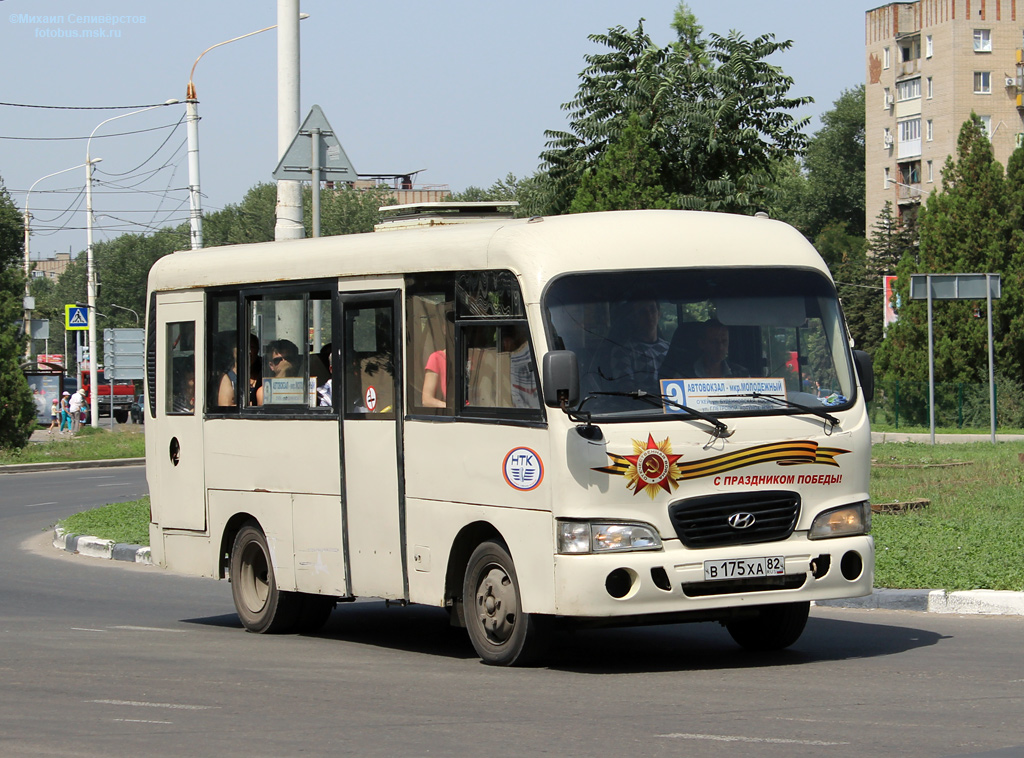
(618, 418)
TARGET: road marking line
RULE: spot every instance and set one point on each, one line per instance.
(36, 505)
(104, 476)
(148, 629)
(142, 721)
(142, 704)
(767, 740)
(83, 629)
(114, 484)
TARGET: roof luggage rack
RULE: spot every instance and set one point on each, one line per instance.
(414, 215)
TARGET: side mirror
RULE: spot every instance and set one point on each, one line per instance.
(561, 378)
(866, 373)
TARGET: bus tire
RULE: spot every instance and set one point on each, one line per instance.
(775, 627)
(261, 606)
(121, 417)
(501, 633)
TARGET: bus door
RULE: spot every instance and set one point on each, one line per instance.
(179, 441)
(371, 435)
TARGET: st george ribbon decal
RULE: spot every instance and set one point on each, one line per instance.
(653, 468)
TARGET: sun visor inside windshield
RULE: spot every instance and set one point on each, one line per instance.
(761, 311)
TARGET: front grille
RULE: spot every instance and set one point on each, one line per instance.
(704, 521)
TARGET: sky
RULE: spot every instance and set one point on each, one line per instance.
(461, 88)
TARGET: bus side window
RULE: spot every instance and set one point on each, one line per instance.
(499, 367)
(431, 348)
(369, 362)
(180, 367)
(223, 368)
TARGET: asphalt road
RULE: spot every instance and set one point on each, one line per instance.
(103, 658)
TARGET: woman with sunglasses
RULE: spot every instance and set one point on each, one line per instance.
(283, 362)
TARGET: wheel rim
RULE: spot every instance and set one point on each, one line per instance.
(497, 604)
(254, 582)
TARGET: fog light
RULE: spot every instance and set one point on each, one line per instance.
(851, 565)
(620, 582)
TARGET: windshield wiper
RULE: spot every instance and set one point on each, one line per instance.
(819, 412)
(721, 430)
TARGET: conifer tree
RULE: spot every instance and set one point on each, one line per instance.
(17, 411)
(963, 229)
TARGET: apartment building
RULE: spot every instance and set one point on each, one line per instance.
(930, 63)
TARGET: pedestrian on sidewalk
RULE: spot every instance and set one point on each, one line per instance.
(75, 406)
(65, 412)
(54, 413)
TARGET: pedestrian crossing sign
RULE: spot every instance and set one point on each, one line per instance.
(76, 317)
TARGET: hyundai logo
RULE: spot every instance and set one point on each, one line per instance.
(741, 520)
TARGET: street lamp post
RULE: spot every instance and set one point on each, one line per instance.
(90, 268)
(28, 265)
(192, 132)
(122, 308)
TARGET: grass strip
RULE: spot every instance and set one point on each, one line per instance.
(971, 535)
(120, 522)
(90, 444)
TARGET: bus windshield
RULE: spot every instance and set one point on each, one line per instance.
(723, 341)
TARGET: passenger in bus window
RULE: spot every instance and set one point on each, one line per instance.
(283, 362)
(634, 361)
(435, 381)
(184, 387)
(255, 369)
(713, 343)
(227, 356)
(516, 342)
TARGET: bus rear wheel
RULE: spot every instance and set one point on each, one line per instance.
(501, 633)
(775, 627)
(261, 606)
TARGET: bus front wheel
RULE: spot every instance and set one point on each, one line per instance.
(775, 627)
(501, 633)
(261, 606)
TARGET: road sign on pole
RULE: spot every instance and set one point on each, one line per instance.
(76, 317)
(931, 287)
(124, 353)
(297, 161)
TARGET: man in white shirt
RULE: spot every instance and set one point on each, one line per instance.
(75, 408)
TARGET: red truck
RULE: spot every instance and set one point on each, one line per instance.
(124, 395)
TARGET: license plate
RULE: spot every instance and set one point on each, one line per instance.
(744, 568)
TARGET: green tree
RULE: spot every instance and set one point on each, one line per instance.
(963, 229)
(251, 220)
(834, 162)
(721, 123)
(17, 410)
(625, 178)
(1012, 302)
(347, 210)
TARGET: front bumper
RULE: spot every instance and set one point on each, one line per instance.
(672, 580)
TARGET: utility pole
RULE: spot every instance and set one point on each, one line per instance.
(289, 192)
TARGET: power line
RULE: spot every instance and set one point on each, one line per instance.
(82, 107)
(99, 136)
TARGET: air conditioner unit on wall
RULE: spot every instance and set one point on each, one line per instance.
(1011, 82)
(889, 101)
(887, 140)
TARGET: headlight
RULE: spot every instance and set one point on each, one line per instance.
(576, 537)
(844, 521)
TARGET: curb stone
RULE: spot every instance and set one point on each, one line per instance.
(26, 468)
(94, 547)
(970, 602)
